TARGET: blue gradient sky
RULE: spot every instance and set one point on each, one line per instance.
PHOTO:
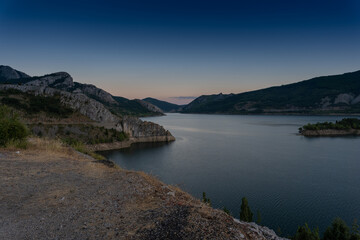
(166, 49)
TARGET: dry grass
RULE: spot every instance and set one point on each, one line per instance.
(49, 146)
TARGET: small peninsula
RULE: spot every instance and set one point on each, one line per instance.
(345, 127)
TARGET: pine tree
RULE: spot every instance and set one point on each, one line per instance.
(355, 232)
(337, 231)
(245, 212)
(304, 233)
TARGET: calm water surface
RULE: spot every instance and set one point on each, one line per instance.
(290, 179)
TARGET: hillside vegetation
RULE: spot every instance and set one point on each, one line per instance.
(344, 124)
(32, 104)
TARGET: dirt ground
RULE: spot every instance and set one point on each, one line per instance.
(62, 194)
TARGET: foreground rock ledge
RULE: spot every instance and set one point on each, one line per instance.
(46, 194)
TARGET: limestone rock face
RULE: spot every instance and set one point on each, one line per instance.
(55, 80)
(8, 73)
(344, 98)
(137, 128)
(98, 93)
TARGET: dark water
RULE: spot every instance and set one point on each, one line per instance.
(290, 179)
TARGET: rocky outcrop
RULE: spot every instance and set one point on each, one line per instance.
(59, 80)
(254, 231)
(147, 131)
(344, 98)
(8, 73)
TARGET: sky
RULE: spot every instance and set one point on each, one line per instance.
(177, 50)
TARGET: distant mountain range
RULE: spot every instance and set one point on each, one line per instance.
(321, 95)
(63, 81)
(163, 105)
(337, 94)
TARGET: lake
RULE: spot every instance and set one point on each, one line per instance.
(289, 178)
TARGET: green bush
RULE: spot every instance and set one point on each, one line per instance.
(11, 129)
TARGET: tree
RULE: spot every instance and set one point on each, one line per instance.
(355, 233)
(337, 231)
(245, 212)
(305, 233)
(258, 217)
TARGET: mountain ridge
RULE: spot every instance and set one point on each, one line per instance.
(163, 105)
(63, 81)
(320, 95)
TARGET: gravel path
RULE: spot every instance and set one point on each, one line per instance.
(66, 195)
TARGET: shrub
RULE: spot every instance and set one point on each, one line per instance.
(11, 129)
(227, 211)
(205, 199)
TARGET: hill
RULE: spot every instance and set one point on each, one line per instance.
(57, 107)
(336, 94)
(163, 105)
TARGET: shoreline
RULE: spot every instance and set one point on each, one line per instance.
(330, 133)
(126, 144)
(276, 114)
